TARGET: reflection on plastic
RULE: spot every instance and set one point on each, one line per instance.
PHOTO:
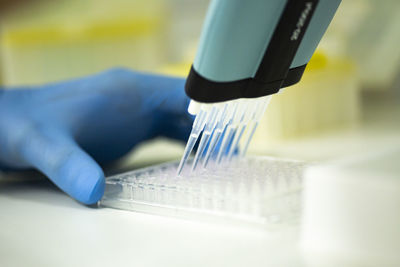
(258, 191)
(226, 122)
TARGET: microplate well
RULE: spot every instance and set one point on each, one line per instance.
(254, 190)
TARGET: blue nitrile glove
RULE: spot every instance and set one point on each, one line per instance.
(66, 129)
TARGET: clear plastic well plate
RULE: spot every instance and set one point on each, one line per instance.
(253, 190)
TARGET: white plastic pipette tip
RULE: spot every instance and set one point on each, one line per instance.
(232, 118)
(194, 107)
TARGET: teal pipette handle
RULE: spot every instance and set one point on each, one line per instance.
(253, 48)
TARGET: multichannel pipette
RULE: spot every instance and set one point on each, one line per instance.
(248, 51)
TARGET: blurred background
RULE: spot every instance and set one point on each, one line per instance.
(347, 103)
(347, 100)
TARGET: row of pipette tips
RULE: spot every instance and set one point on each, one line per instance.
(222, 126)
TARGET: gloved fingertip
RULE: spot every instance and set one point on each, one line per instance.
(97, 193)
(90, 187)
(59, 157)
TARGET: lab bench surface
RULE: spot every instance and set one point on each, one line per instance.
(41, 226)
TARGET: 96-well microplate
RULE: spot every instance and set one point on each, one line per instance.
(253, 190)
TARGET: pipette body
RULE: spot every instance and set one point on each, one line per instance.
(248, 50)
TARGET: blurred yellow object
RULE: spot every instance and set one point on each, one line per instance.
(326, 98)
(84, 33)
(82, 37)
(318, 61)
(179, 69)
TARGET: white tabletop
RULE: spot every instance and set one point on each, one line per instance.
(40, 226)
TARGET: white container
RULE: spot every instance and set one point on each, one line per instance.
(351, 212)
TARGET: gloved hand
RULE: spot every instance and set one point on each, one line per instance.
(66, 129)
